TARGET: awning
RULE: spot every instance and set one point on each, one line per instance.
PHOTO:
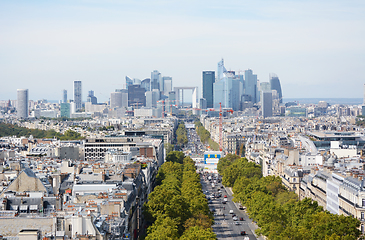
(33, 207)
(14, 207)
(23, 207)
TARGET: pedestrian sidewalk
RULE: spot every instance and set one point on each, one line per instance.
(253, 226)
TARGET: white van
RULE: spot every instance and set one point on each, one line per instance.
(231, 211)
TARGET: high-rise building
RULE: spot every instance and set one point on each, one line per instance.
(265, 87)
(128, 82)
(221, 70)
(77, 95)
(167, 85)
(91, 98)
(227, 92)
(275, 85)
(266, 104)
(65, 110)
(136, 96)
(116, 100)
(146, 84)
(155, 80)
(22, 103)
(172, 96)
(124, 101)
(251, 85)
(152, 97)
(203, 103)
(64, 95)
(208, 81)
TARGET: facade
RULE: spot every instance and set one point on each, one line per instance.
(22, 103)
(136, 96)
(64, 95)
(77, 95)
(275, 85)
(208, 81)
(266, 104)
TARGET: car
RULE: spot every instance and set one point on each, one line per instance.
(235, 218)
(241, 219)
(233, 215)
(231, 211)
(243, 233)
(237, 223)
(223, 202)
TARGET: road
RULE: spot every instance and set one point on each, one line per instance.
(224, 226)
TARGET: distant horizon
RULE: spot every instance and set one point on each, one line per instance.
(303, 100)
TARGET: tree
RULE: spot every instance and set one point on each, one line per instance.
(169, 147)
(225, 162)
(175, 156)
(198, 233)
(165, 228)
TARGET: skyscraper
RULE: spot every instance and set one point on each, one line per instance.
(167, 85)
(22, 103)
(116, 100)
(77, 95)
(221, 70)
(208, 80)
(266, 104)
(152, 97)
(251, 85)
(275, 85)
(146, 84)
(65, 110)
(136, 96)
(227, 92)
(155, 80)
(128, 82)
(91, 97)
(64, 95)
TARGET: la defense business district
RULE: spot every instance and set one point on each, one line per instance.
(81, 169)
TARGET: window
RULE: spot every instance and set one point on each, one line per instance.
(363, 202)
(362, 215)
(69, 227)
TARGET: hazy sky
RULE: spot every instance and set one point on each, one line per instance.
(316, 47)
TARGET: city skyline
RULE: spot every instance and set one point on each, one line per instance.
(46, 46)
